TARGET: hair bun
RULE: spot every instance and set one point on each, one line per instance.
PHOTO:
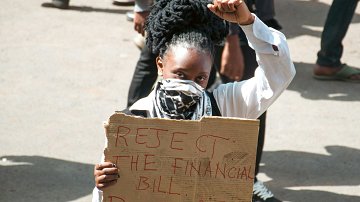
(170, 17)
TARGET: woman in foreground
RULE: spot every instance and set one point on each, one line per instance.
(183, 34)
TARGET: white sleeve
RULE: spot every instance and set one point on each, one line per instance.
(97, 195)
(250, 98)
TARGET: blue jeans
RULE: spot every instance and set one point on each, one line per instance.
(335, 28)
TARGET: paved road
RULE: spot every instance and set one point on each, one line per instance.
(62, 72)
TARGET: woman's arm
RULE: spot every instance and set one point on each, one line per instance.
(250, 98)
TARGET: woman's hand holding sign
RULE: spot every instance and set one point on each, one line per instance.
(106, 174)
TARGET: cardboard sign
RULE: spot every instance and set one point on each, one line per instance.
(170, 160)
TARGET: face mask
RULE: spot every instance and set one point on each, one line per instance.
(178, 99)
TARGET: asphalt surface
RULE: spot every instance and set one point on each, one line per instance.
(63, 72)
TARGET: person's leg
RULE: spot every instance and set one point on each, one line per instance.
(251, 5)
(335, 28)
(261, 141)
(328, 64)
(144, 76)
(265, 9)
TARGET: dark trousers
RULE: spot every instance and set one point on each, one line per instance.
(264, 9)
(335, 28)
(144, 76)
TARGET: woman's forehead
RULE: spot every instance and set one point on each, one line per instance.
(181, 54)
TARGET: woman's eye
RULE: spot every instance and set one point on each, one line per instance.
(201, 78)
(179, 75)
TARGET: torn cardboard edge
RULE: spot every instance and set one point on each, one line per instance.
(212, 159)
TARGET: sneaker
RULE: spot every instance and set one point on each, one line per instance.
(273, 23)
(62, 4)
(124, 2)
(262, 194)
(130, 16)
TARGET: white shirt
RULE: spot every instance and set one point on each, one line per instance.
(252, 97)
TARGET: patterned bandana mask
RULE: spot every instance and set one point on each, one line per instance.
(181, 99)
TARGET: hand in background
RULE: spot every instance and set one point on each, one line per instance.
(232, 60)
(139, 21)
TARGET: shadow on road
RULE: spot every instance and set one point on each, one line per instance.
(43, 179)
(313, 89)
(47, 179)
(88, 9)
(298, 169)
(298, 17)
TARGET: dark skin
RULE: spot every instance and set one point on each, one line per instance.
(139, 21)
(106, 174)
(328, 71)
(232, 59)
(186, 64)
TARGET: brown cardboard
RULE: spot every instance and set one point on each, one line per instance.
(170, 160)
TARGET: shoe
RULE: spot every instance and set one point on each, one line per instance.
(130, 16)
(344, 74)
(273, 23)
(262, 194)
(62, 4)
(124, 2)
(139, 41)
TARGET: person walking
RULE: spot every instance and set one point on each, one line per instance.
(328, 64)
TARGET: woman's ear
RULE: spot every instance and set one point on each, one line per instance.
(160, 65)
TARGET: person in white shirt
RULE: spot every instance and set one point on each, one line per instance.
(183, 34)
